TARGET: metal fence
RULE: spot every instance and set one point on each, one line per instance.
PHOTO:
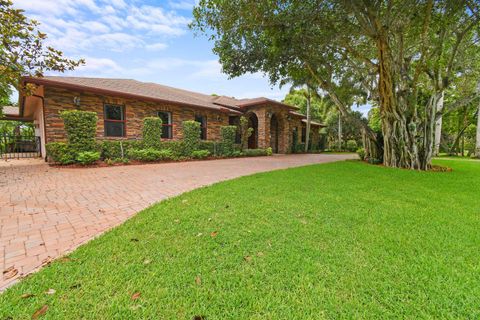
(17, 146)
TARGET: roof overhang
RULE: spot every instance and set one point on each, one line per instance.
(82, 88)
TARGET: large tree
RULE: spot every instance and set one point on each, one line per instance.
(23, 51)
(397, 52)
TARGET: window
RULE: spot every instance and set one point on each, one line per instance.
(114, 120)
(304, 134)
(203, 126)
(167, 125)
(235, 121)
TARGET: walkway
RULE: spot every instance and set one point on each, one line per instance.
(46, 212)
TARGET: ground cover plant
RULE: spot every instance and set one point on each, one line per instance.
(323, 241)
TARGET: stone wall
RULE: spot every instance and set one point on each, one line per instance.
(57, 100)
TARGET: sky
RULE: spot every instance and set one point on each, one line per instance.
(142, 40)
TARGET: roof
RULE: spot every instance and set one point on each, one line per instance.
(11, 111)
(301, 115)
(130, 88)
(152, 91)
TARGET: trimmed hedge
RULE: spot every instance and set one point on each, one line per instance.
(200, 154)
(257, 152)
(88, 157)
(152, 132)
(150, 154)
(80, 128)
(191, 136)
(112, 149)
(60, 152)
(228, 134)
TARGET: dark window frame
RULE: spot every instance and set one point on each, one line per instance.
(107, 121)
(203, 126)
(168, 125)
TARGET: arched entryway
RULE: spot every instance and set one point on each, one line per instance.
(274, 133)
(253, 123)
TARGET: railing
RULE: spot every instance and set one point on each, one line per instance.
(16, 146)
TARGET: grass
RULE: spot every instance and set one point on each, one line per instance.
(339, 240)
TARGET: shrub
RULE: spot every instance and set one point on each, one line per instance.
(113, 149)
(211, 146)
(200, 154)
(88, 157)
(191, 137)
(361, 153)
(352, 145)
(60, 152)
(150, 154)
(176, 147)
(269, 151)
(80, 128)
(255, 152)
(300, 148)
(228, 134)
(245, 132)
(152, 132)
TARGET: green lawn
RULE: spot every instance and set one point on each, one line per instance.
(339, 240)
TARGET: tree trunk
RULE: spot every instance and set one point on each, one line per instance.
(438, 125)
(399, 147)
(307, 138)
(477, 141)
(339, 131)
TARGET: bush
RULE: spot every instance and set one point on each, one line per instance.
(228, 134)
(256, 152)
(152, 132)
(200, 154)
(80, 128)
(300, 148)
(150, 154)
(352, 145)
(269, 151)
(245, 132)
(176, 147)
(60, 152)
(114, 149)
(361, 153)
(211, 146)
(88, 157)
(191, 137)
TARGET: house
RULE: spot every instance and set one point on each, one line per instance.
(122, 104)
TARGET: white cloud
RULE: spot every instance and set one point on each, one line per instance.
(99, 64)
(182, 5)
(156, 46)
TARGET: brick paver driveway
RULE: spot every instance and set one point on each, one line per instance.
(46, 212)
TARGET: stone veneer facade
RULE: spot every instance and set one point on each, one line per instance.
(58, 99)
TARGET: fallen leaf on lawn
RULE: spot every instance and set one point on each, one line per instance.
(213, 234)
(260, 254)
(9, 273)
(65, 259)
(177, 221)
(199, 318)
(27, 295)
(135, 296)
(198, 280)
(40, 312)
(75, 286)
(147, 261)
(200, 234)
(47, 261)
(247, 258)
(134, 240)
(50, 291)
